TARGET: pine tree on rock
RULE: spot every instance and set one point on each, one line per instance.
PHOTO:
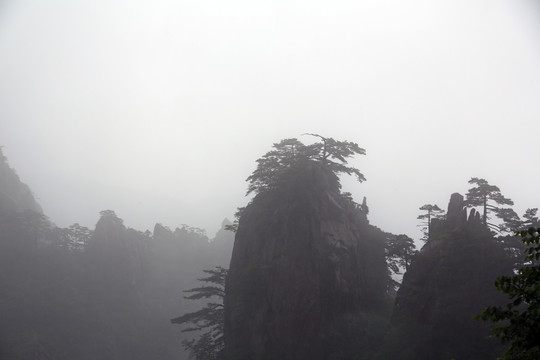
(511, 221)
(334, 154)
(330, 153)
(210, 319)
(269, 166)
(400, 250)
(432, 212)
(489, 197)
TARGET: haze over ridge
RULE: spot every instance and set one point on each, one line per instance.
(159, 112)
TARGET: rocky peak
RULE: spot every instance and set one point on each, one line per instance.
(305, 264)
(163, 233)
(449, 282)
(109, 235)
(456, 215)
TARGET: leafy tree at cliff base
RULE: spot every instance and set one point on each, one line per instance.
(210, 319)
(400, 250)
(521, 317)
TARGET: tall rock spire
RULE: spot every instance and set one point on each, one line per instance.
(305, 266)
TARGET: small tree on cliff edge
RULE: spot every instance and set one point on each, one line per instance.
(329, 152)
(400, 250)
(489, 197)
(432, 212)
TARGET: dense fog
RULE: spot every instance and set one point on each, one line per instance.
(130, 133)
(160, 110)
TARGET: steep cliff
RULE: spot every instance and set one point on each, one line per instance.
(450, 281)
(14, 194)
(308, 277)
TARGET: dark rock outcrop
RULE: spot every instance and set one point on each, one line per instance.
(450, 281)
(456, 215)
(306, 275)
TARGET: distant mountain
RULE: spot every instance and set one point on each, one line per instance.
(108, 293)
(14, 194)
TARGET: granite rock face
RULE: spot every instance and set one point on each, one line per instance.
(449, 282)
(305, 268)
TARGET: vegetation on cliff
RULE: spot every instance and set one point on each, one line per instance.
(490, 199)
(288, 153)
(449, 281)
(520, 317)
(207, 322)
(308, 275)
(430, 212)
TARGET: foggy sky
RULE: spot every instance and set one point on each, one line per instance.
(158, 110)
